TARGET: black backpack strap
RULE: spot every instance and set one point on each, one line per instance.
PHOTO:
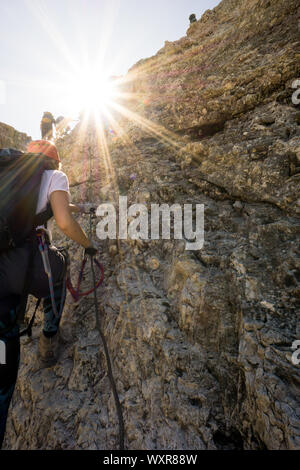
(24, 296)
(28, 331)
(43, 217)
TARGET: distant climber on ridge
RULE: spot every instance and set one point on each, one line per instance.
(47, 126)
(192, 18)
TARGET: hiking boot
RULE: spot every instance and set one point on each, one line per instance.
(48, 350)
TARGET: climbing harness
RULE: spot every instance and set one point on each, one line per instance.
(43, 248)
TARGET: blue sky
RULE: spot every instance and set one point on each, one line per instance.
(44, 42)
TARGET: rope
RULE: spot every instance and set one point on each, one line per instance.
(98, 325)
(109, 367)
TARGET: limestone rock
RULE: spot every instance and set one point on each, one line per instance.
(200, 341)
(9, 137)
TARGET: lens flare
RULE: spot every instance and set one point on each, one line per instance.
(91, 92)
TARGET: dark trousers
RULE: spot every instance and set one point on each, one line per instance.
(13, 271)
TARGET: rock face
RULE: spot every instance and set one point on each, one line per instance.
(201, 341)
(9, 137)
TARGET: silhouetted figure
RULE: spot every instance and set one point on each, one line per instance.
(192, 18)
(47, 125)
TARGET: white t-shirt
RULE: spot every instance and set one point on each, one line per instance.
(52, 180)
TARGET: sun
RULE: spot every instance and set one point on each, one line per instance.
(91, 92)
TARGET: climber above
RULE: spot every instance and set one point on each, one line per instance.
(47, 126)
(22, 268)
(192, 18)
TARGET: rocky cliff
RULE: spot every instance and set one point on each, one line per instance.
(9, 137)
(200, 340)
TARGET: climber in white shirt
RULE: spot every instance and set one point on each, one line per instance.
(53, 200)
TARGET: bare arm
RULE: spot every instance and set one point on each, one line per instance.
(68, 225)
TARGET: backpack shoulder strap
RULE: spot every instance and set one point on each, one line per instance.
(43, 217)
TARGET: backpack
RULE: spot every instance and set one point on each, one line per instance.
(20, 179)
(48, 118)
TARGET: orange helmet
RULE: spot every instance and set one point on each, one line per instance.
(45, 148)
